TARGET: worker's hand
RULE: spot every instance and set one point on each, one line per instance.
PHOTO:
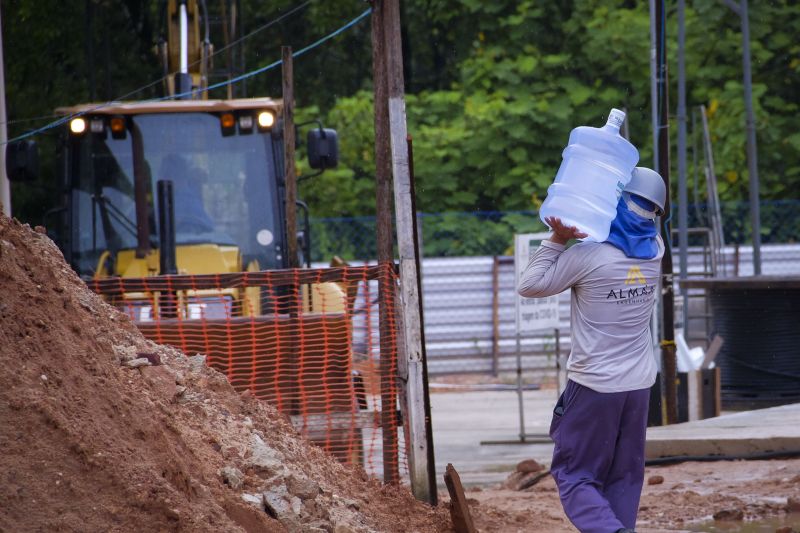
(563, 233)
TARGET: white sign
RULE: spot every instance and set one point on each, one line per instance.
(533, 314)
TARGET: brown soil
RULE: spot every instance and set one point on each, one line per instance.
(690, 494)
(91, 444)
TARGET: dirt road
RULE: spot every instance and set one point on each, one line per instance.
(746, 496)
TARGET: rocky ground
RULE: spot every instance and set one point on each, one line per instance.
(734, 496)
(103, 430)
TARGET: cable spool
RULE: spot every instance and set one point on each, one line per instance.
(760, 359)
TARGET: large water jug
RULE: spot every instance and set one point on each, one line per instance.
(595, 168)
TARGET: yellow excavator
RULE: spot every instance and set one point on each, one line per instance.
(190, 185)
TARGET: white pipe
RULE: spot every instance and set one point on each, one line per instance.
(184, 22)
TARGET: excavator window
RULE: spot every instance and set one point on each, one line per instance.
(226, 190)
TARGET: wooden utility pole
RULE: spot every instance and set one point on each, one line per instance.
(417, 239)
(419, 426)
(668, 360)
(289, 172)
(383, 228)
(290, 208)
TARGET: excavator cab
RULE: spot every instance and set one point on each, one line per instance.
(227, 178)
(224, 159)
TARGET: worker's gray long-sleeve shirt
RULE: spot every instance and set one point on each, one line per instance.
(612, 301)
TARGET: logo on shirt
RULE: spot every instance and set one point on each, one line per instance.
(637, 289)
(635, 276)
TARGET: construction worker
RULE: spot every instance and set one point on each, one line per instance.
(191, 216)
(600, 420)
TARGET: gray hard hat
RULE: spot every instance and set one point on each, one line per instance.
(649, 185)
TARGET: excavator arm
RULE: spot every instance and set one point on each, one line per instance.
(186, 50)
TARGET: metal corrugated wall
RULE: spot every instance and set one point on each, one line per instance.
(457, 295)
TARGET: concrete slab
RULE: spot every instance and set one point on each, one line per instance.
(463, 419)
(747, 432)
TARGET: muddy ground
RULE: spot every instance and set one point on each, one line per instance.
(752, 495)
(744, 495)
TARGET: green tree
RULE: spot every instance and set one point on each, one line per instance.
(493, 88)
(59, 54)
(489, 130)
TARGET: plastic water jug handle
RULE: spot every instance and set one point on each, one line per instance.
(615, 119)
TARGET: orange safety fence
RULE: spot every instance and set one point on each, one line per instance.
(319, 344)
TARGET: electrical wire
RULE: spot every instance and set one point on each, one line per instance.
(161, 80)
(225, 83)
(260, 29)
(118, 99)
(237, 41)
(29, 119)
(279, 61)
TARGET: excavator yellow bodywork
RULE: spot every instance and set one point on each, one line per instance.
(195, 186)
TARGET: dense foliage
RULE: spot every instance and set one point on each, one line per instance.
(493, 87)
(492, 138)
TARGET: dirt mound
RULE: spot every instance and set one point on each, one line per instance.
(103, 430)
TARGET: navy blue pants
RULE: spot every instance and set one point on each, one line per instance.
(598, 460)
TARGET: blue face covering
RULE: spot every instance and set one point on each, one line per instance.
(633, 234)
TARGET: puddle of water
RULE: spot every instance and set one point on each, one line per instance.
(758, 526)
